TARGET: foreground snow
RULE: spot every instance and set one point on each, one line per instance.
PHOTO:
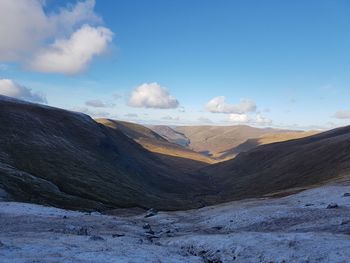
(297, 228)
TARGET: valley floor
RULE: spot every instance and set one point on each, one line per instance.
(297, 228)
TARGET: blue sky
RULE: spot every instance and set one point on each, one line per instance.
(289, 59)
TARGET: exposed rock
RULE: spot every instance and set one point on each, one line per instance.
(96, 238)
(118, 235)
(332, 206)
(151, 212)
(346, 195)
(146, 226)
(83, 231)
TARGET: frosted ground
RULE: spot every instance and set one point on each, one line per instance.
(297, 228)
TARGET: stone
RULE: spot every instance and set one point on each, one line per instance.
(332, 206)
(96, 238)
(146, 226)
(118, 235)
(151, 212)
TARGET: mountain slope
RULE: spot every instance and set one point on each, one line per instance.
(265, 139)
(155, 143)
(66, 159)
(171, 134)
(61, 158)
(284, 165)
(215, 140)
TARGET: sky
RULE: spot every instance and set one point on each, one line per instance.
(273, 63)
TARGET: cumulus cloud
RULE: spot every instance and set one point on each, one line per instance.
(152, 95)
(345, 114)
(219, 105)
(26, 32)
(257, 119)
(239, 118)
(73, 55)
(98, 104)
(12, 89)
(262, 120)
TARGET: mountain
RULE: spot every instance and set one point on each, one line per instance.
(284, 165)
(216, 140)
(265, 139)
(152, 141)
(66, 159)
(171, 134)
(62, 158)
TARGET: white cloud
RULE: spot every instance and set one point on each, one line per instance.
(182, 109)
(170, 118)
(12, 89)
(239, 118)
(98, 104)
(257, 119)
(345, 114)
(219, 105)
(92, 113)
(73, 55)
(152, 95)
(26, 29)
(262, 120)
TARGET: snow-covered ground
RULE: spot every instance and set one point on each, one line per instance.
(297, 228)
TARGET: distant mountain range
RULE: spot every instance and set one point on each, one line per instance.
(66, 159)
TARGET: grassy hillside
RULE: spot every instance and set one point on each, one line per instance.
(66, 159)
(215, 140)
(265, 139)
(284, 165)
(62, 158)
(157, 144)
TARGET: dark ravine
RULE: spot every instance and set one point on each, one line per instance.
(66, 159)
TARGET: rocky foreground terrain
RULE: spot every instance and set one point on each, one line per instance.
(311, 226)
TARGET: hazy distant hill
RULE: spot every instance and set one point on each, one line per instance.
(265, 139)
(171, 134)
(216, 140)
(155, 143)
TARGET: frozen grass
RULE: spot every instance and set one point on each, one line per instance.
(297, 228)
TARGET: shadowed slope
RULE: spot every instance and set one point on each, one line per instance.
(280, 166)
(66, 159)
(265, 139)
(62, 158)
(155, 143)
